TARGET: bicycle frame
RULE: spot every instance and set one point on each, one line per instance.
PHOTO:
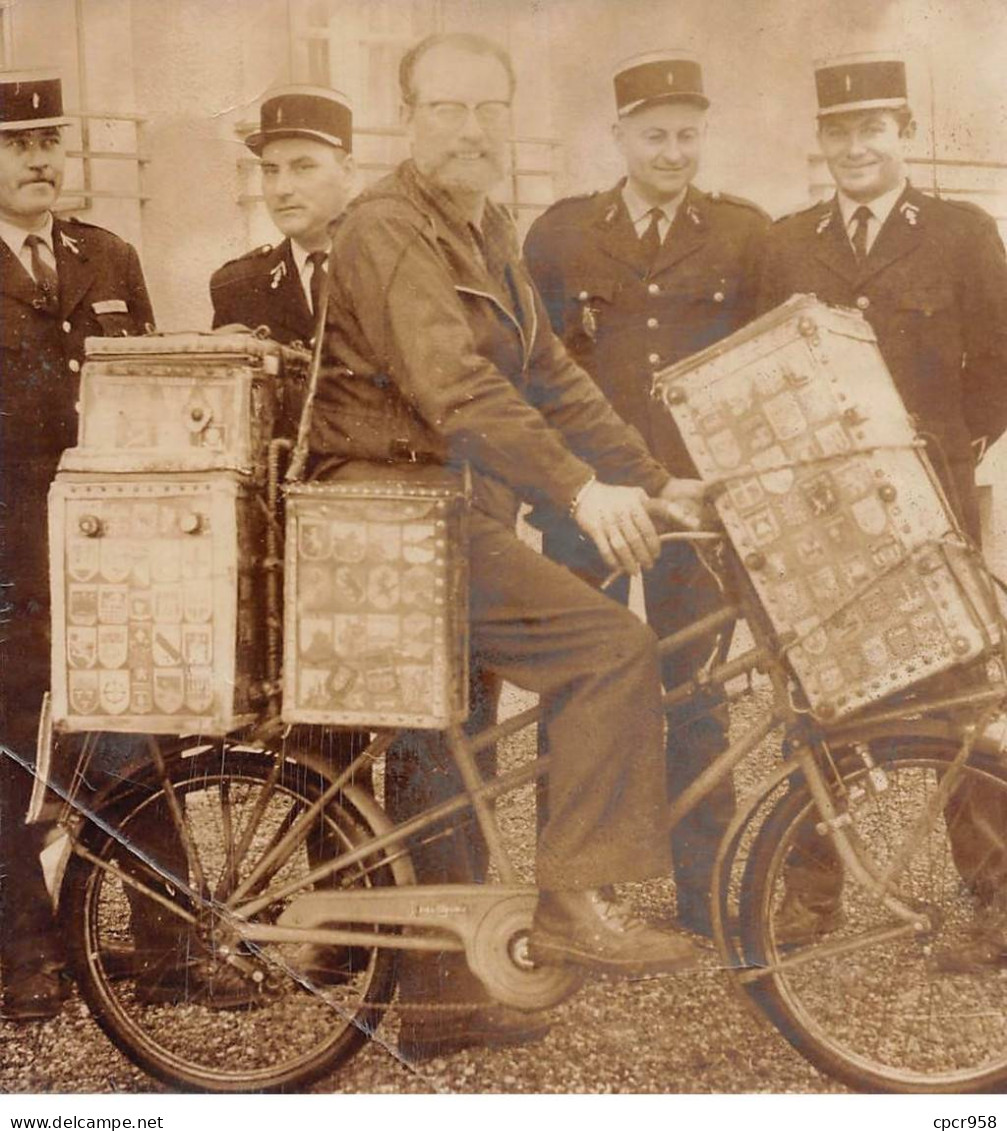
(449, 914)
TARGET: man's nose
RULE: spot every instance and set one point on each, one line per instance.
(855, 145)
(471, 128)
(671, 151)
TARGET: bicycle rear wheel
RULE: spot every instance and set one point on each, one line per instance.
(156, 953)
(882, 1005)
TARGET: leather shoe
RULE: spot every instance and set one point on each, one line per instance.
(37, 996)
(425, 1036)
(583, 928)
(799, 922)
(216, 985)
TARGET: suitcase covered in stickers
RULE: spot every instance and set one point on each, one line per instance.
(156, 600)
(375, 605)
(832, 506)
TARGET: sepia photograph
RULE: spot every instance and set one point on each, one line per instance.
(503, 527)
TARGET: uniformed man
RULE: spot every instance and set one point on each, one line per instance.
(61, 281)
(930, 277)
(442, 355)
(304, 144)
(636, 278)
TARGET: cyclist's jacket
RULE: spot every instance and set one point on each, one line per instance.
(439, 350)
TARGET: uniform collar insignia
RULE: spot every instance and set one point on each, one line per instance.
(69, 243)
(693, 213)
(611, 212)
(823, 224)
(278, 274)
(910, 211)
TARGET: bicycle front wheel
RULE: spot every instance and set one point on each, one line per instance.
(879, 1003)
(153, 944)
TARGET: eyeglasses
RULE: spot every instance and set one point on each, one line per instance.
(452, 115)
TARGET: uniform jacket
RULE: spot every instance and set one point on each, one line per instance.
(622, 322)
(262, 288)
(934, 289)
(445, 353)
(101, 293)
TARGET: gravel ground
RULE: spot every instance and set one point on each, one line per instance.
(684, 1033)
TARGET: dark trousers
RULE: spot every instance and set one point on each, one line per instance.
(677, 591)
(27, 933)
(419, 773)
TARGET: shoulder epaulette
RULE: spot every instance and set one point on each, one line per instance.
(718, 197)
(967, 206)
(822, 206)
(247, 260)
(568, 201)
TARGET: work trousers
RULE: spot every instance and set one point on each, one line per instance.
(596, 669)
(678, 590)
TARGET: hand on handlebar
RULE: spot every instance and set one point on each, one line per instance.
(616, 520)
(681, 504)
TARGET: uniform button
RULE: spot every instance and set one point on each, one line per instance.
(863, 302)
(67, 327)
(653, 289)
(652, 323)
(718, 296)
(73, 365)
(583, 296)
(654, 358)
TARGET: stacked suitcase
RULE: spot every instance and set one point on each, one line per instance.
(156, 533)
(833, 507)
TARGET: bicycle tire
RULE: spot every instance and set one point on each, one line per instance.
(297, 1032)
(894, 1015)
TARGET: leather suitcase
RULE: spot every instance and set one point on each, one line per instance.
(375, 605)
(832, 506)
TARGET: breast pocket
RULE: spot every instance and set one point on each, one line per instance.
(118, 324)
(930, 301)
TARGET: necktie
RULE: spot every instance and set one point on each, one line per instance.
(861, 217)
(650, 241)
(317, 260)
(45, 277)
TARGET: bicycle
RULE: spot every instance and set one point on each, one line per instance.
(880, 1001)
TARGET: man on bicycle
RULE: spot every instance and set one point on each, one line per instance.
(440, 354)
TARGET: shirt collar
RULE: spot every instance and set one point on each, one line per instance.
(13, 236)
(880, 206)
(637, 207)
(301, 254)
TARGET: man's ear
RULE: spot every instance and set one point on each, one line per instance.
(349, 165)
(617, 133)
(405, 114)
(909, 130)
